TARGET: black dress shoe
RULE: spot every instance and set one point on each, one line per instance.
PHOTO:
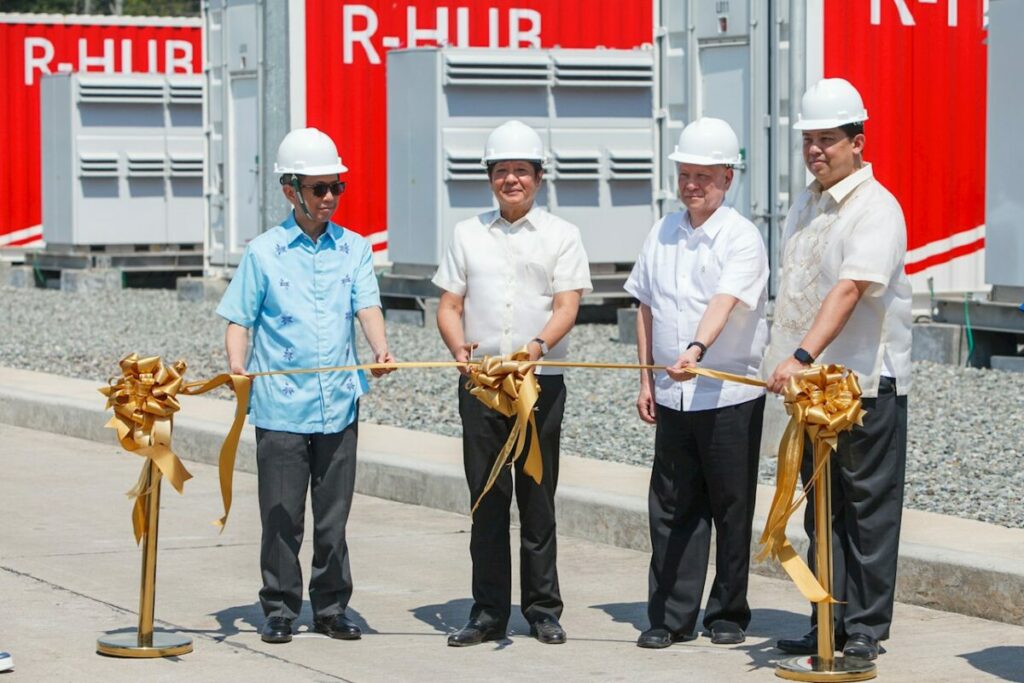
(475, 633)
(806, 644)
(277, 630)
(548, 631)
(337, 626)
(656, 638)
(861, 646)
(726, 633)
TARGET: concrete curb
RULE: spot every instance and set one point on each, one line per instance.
(946, 563)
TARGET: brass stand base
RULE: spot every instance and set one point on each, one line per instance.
(812, 669)
(127, 645)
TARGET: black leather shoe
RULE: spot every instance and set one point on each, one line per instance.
(656, 638)
(548, 631)
(806, 644)
(861, 646)
(726, 633)
(475, 633)
(277, 630)
(337, 626)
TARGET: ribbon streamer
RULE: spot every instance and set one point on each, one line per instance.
(144, 400)
(822, 402)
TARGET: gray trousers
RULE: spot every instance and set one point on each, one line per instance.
(289, 464)
(868, 471)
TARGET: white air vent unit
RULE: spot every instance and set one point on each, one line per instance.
(120, 91)
(604, 72)
(631, 164)
(97, 165)
(491, 69)
(578, 165)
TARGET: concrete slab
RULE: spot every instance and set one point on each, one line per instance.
(627, 325)
(938, 343)
(69, 574)
(91, 280)
(947, 563)
(21, 277)
(1008, 363)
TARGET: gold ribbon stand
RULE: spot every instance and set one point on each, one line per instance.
(822, 402)
(144, 643)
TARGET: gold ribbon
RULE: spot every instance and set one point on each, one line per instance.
(144, 400)
(822, 402)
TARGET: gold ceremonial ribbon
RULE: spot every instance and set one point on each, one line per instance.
(822, 402)
(144, 400)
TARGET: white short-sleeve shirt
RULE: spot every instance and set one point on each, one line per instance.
(853, 231)
(677, 272)
(509, 274)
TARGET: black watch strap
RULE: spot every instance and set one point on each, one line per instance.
(703, 349)
(801, 355)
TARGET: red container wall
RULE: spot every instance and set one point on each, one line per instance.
(921, 69)
(345, 46)
(33, 49)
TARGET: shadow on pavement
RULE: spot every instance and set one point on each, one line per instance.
(448, 617)
(632, 613)
(1003, 661)
(251, 618)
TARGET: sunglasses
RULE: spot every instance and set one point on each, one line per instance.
(320, 189)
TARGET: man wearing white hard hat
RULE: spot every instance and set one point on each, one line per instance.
(701, 281)
(512, 277)
(297, 293)
(844, 298)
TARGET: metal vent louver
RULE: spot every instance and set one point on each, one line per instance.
(506, 70)
(631, 164)
(591, 72)
(186, 166)
(464, 165)
(186, 93)
(97, 165)
(578, 165)
(120, 91)
(145, 165)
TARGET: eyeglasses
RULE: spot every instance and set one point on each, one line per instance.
(320, 189)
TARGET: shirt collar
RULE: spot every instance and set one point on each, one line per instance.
(844, 187)
(711, 226)
(527, 221)
(293, 232)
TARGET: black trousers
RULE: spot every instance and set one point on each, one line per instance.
(484, 432)
(289, 464)
(705, 470)
(868, 472)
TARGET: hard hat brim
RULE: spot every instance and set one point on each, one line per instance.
(700, 160)
(513, 157)
(825, 124)
(312, 170)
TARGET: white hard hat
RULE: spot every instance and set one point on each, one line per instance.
(513, 140)
(707, 142)
(830, 103)
(308, 151)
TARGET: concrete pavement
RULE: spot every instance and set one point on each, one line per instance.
(946, 563)
(69, 572)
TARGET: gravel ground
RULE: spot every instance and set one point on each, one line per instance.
(965, 454)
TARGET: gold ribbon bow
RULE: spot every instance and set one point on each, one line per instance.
(144, 400)
(822, 402)
(507, 384)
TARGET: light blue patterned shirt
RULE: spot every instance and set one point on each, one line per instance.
(299, 299)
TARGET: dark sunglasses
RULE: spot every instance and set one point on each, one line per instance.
(321, 189)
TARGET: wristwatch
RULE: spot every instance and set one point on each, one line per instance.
(702, 347)
(543, 345)
(804, 357)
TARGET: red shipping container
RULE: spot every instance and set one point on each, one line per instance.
(34, 45)
(921, 68)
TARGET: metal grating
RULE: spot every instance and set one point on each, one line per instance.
(484, 69)
(464, 165)
(186, 93)
(117, 91)
(145, 165)
(186, 166)
(591, 72)
(631, 164)
(97, 165)
(578, 165)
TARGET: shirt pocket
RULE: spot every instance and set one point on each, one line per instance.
(535, 277)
